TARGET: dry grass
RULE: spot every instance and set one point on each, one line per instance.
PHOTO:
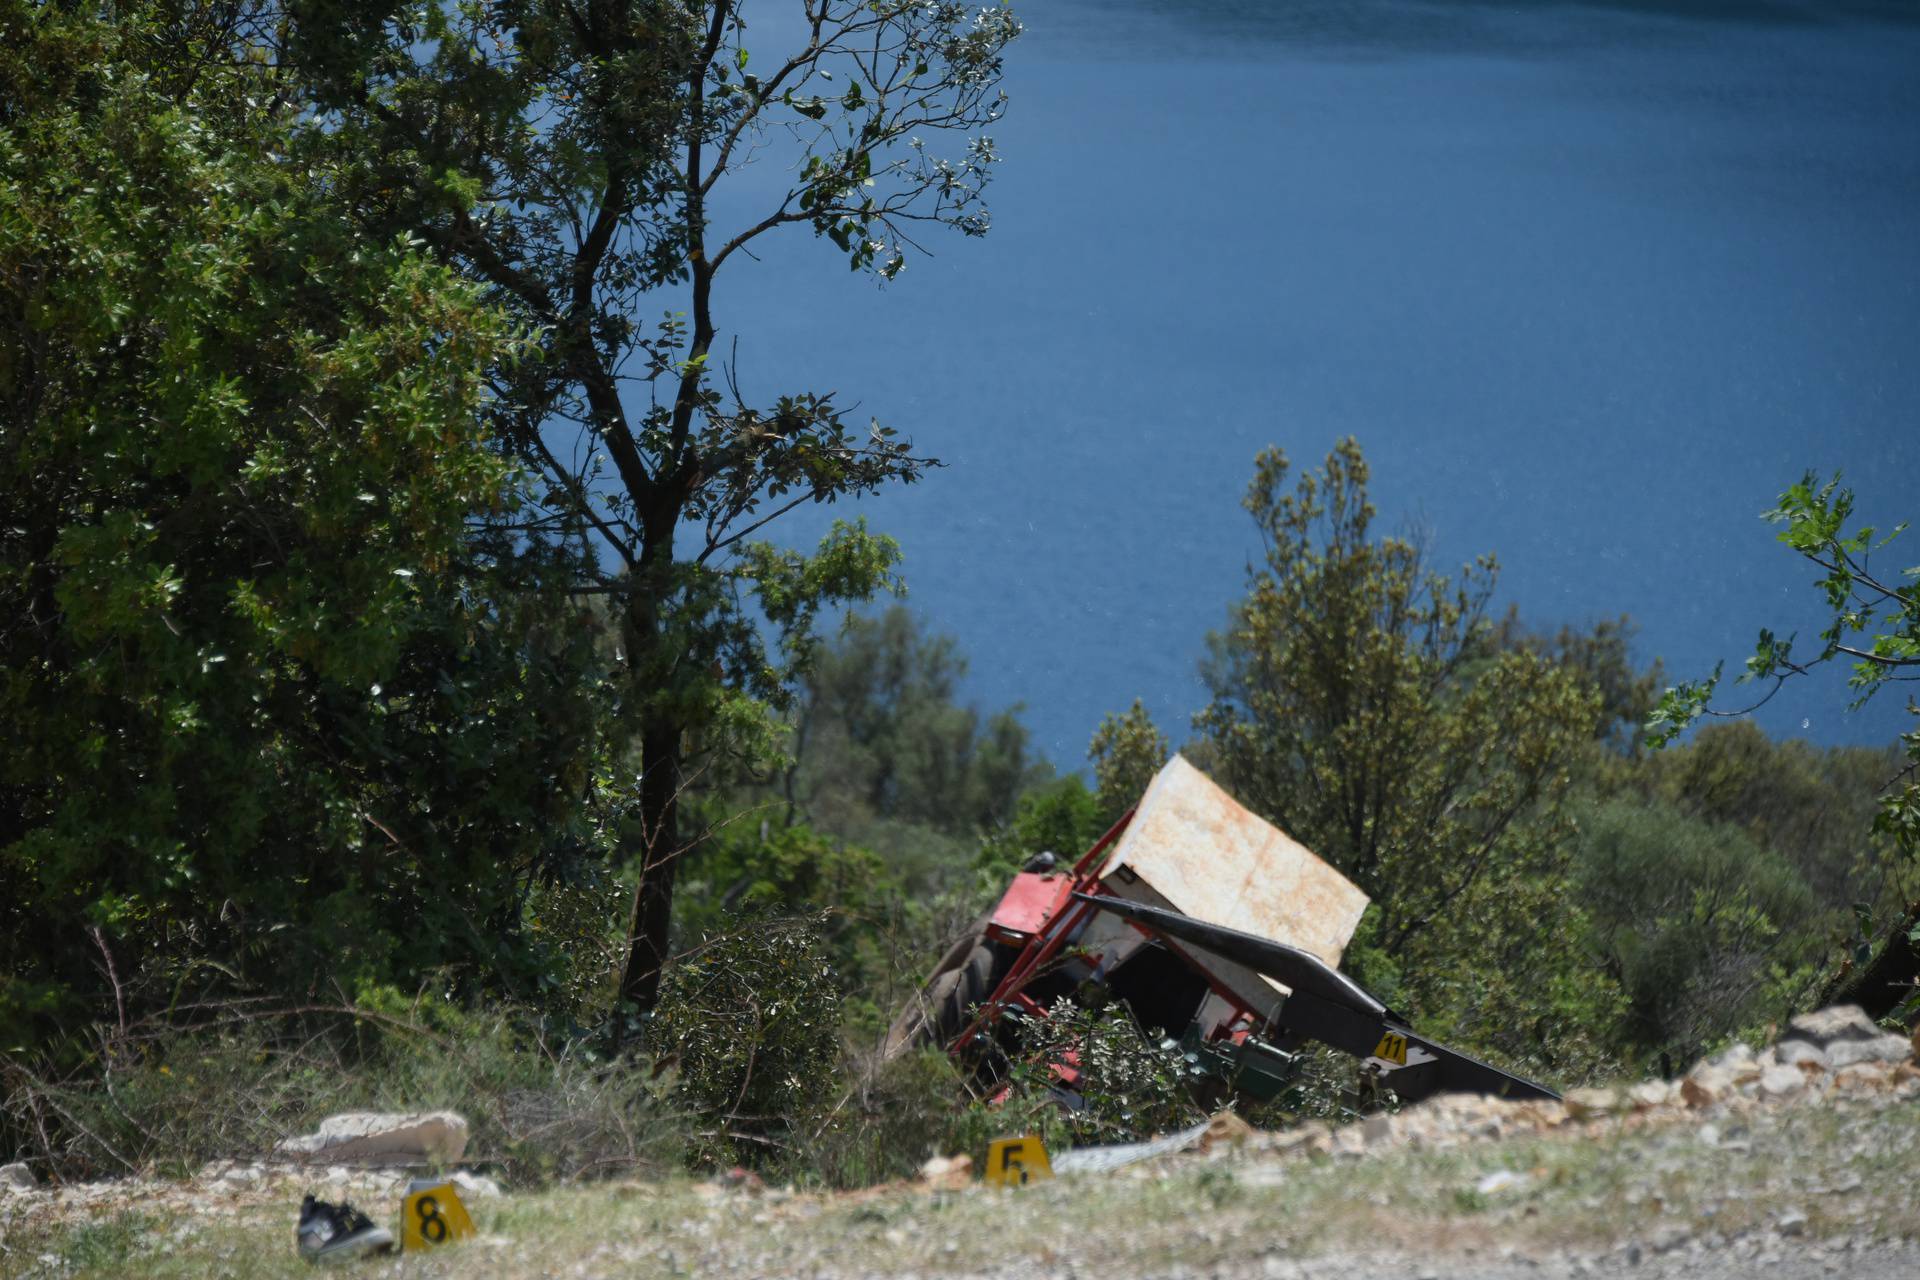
(1847, 1170)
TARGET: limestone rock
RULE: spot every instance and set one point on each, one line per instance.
(18, 1177)
(1800, 1053)
(947, 1172)
(1590, 1104)
(1651, 1094)
(1311, 1138)
(1839, 1022)
(1864, 1077)
(1781, 1081)
(1225, 1129)
(1706, 1086)
(1734, 1057)
(1501, 1180)
(1881, 1048)
(485, 1188)
(360, 1137)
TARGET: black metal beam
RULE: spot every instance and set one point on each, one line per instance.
(1328, 1006)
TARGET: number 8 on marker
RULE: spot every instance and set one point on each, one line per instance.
(432, 1225)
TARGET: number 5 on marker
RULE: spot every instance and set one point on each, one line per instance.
(433, 1216)
(1014, 1162)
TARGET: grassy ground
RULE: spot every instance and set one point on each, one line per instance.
(1798, 1178)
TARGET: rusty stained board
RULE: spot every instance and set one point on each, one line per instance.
(1209, 858)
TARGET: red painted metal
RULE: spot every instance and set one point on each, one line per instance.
(1031, 901)
(1030, 916)
(1043, 946)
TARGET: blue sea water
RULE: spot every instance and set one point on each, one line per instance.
(1590, 282)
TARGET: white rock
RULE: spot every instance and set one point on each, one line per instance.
(1779, 1081)
(1839, 1022)
(367, 1138)
(1501, 1180)
(1881, 1048)
(1651, 1093)
(476, 1185)
(1706, 1086)
(1735, 1056)
(18, 1177)
(1798, 1053)
(1589, 1104)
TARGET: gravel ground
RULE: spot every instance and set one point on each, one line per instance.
(1811, 1187)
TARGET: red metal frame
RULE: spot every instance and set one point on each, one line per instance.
(1043, 948)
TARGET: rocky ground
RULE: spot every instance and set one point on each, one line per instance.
(1802, 1161)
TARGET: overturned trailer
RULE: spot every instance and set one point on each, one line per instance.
(1216, 929)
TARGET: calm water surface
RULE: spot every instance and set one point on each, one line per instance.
(1590, 283)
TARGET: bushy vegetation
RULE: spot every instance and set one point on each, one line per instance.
(328, 677)
(230, 1081)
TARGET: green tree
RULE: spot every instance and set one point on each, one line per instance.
(882, 737)
(1602, 655)
(1702, 926)
(573, 158)
(1363, 704)
(1873, 624)
(270, 712)
(1126, 751)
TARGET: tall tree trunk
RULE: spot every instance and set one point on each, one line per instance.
(647, 929)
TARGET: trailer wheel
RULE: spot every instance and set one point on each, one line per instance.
(965, 987)
(941, 1010)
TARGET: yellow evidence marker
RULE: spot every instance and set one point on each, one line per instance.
(1392, 1048)
(1014, 1162)
(433, 1215)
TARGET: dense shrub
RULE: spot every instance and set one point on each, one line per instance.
(750, 1020)
(235, 1079)
(1706, 930)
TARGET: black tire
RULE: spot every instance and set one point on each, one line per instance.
(971, 984)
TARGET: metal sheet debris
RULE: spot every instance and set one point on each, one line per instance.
(1107, 1159)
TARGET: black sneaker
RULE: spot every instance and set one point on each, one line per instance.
(329, 1232)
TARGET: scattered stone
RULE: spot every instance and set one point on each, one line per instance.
(1224, 1129)
(1792, 1224)
(1864, 1077)
(1735, 1056)
(1880, 1048)
(1651, 1094)
(1800, 1053)
(358, 1137)
(485, 1188)
(1670, 1237)
(1378, 1131)
(1501, 1180)
(1782, 1081)
(1839, 1022)
(947, 1172)
(1590, 1104)
(1312, 1138)
(740, 1178)
(1706, 1086)
(18, 1177)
